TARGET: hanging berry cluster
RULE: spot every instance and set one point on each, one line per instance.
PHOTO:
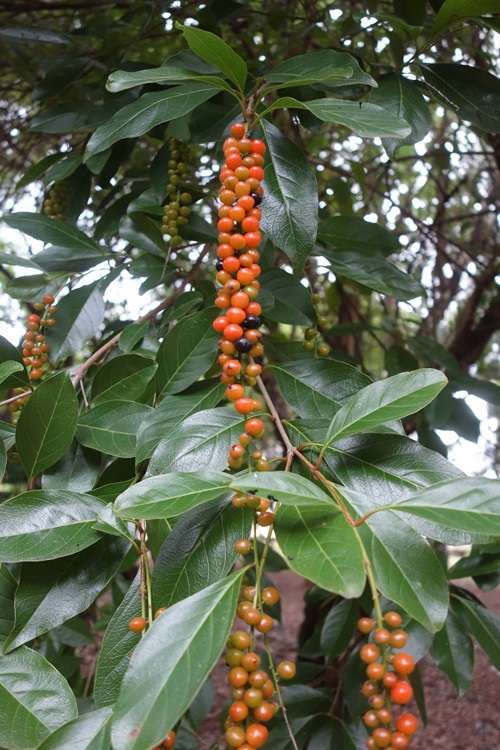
(56, 204)
(176, 211)
(237, 271)
(252, 687)
(385, 685)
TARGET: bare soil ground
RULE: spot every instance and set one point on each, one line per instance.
(471, 722)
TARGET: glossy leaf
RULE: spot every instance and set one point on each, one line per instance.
(336, 68)
(199, 441)
(8, 586)
(215, 51)
(291, 300)
(323, 547)
(149, 110)
(332, 734)
(14, 259)
(285, 487)
(356, 233)
(112, 427)
(52, 592)
(290, 218)
(364, 119)
(77, 470)
(186, 352)
(34, 35)
(118, 643)
(43, 525)
(169, 72)
(108, 523)
(372, 271)
(90, 731)
(7, 369)
(122, 379)
(9, 353)
(199, 550)
(453, 652)
(402, 97)
(53, 231)
(47, 424)
(385, 400)
(172, 410)
(484, 626)
(338, 628)
(317, 388)
(187, 640)
(470, 504)
(471, 93)
(453, 11)
(35, 699)
(169, 495)
(406, 569)
(79, 317)
(132, 335)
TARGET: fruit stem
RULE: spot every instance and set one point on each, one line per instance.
(278, 692)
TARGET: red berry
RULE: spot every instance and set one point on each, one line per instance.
(137, 624)
(403, 663)
(401, 693)
(238, 130)
(256, 735)
(407, 724)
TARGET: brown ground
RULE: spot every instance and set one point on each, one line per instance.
(468, 723)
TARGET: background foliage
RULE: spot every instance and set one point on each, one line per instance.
(381, 196)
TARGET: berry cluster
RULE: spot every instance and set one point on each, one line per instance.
(264, 517)
(252, 687)
(176, 211)
(237, 271)
(35, 349)
(56, 204)
(385, 686)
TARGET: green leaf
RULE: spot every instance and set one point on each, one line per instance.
(47, 424)
(470, 504)
(10, 353)
(43, 525)
(38, 169)
(186, 352)
(199, 441)
(453, 11)
(336, 68)
(322, 547)
(365, 119)
(35, 699)
(453, 652)
(332, 734)
(187, 641)
(55, 232)
(8, 586)
(317, 387)
(405, 567)
(385, 400)
(112, 427)
(55, 259)
(51, 592)
(12, 259)
(471, 93)
(402, 97)
(119, 641)
(76, 470)
(108, 523)
(199, 551)
(79, 317)
(132, 335)
(9, 368)
(215, 51)
(290, 215)
(484, 626)
(120, 80)
(172, 410)
(287, 488)
(169, 495)
(90, 731)
(149, 110)
(338, 628)
(292, 301)
(373, 272)
(358, 234)
(122, 378)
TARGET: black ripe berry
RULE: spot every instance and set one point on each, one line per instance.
(251, 321)
(257, 198)
(243, 345)
(219, 266)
